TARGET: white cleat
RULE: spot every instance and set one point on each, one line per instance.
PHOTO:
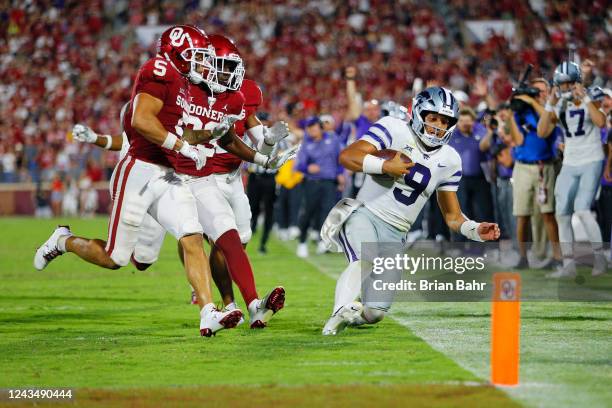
(600, 265)
(229, 308)
(49, 250)
(262, 310)
(213, 320)
(302, 250)
(346, 315)
(565, 271)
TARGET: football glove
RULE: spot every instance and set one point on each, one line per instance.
(275, 162)
(195, 154)
(276, 133)
(82, 133)
(220, 129)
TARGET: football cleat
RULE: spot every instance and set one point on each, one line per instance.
(600, 265)
(212, 320)
(194, 298)
(49, 250)
(565, 271)
(346, 315)
(262, 310)
(229, 308)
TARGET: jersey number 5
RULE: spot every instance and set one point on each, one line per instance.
(160, 67)
(417, 186)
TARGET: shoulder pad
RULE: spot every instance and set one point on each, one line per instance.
(252, 93)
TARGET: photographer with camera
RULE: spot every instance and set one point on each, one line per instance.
(578, 111)
(534, 172)
(498, 143)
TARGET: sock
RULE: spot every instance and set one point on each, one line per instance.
(566, 237)
(238, 264)
(592, 229)
(61, 243)
(348, 286)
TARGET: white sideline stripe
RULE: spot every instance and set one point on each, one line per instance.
(438, 346)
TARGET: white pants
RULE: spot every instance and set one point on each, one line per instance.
(221, 206)
(139, 188)
(216, 200)
(233, 190)
(576, 187)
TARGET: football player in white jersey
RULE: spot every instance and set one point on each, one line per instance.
(578, 111)
(385, 213)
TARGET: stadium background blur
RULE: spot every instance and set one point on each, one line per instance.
(67, 62)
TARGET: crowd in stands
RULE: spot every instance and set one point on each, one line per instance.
(65, 62)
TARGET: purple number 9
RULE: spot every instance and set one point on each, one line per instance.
(417, 186)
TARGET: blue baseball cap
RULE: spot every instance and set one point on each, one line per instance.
(313, 120)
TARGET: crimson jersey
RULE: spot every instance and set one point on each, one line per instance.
(202, 114)
(158, 78)
(223, 161)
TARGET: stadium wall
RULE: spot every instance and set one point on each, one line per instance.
(20, 198)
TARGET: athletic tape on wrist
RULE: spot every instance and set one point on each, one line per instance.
(109, 142)
(372, 164)
(170, 141)
(469, 229)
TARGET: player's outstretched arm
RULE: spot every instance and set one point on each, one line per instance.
(359, 157)
(85, 134)
(456, 221)
(232, 143)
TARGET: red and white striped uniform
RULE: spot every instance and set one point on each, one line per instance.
(144, 183)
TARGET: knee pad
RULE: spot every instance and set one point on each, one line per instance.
(372, 316)
(133, 212)
(144, 255)
(191, 224)
(120, 256)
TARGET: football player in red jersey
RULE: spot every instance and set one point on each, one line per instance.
(229, 76)
(215, 209)
(205, 110)
(144, 181)
(230, 210)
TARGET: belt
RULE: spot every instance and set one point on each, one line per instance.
(531, 162)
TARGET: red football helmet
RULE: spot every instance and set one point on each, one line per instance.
(228, 65)
(189, 50)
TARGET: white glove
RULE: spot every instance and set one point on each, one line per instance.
(82, 133)
(195, 154)
(220, 129)
(276, 161)
(276, 133)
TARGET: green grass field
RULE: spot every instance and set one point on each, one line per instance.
(130, 338)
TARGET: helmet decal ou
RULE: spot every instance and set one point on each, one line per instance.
(178, 37)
